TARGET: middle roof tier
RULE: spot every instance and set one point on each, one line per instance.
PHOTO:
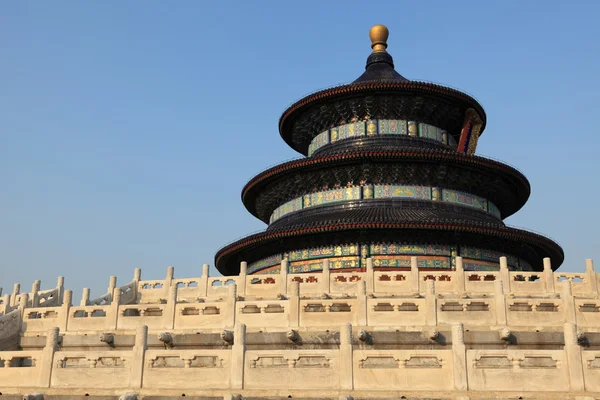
(431, 170)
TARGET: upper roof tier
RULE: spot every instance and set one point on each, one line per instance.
(382, 93)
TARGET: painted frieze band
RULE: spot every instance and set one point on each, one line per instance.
(380, 127)
(387, 255)
(382, 192)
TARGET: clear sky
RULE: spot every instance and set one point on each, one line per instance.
(128, 129)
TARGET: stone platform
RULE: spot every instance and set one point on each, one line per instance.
(364, 335)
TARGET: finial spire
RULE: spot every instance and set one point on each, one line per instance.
(379, 35)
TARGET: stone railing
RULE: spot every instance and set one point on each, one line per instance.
(370, 298)
(35, 298)
(55, 297)
(337, 281)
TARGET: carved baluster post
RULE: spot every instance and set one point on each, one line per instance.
(168, 279)
(14, 297)
(23, 300)
(326, 278)
(203, 284)
(575, 361)
(85, 297)
(112, 284)
(60, 285)
(505, 274)
(591, 276)
(229, 317)
(137, 277)
(370, 276)
(500, 302)
(35, 288)
(459, 357)
(138, 356)
(346, 358)
(112, 319)
(283, 274)
(6, 304)
(361, 298)
(65, 309)
(294, 302)
(52, 338)
(568, 302)
(238, 355)
(548, 276)
(242, 278)
(414, 275)
(431, 303)
(460, 284)
(169, 313)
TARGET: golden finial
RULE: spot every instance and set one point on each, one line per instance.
(379, 35)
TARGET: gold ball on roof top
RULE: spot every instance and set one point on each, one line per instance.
(379, 35)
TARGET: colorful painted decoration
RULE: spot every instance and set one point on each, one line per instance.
(470, 132)
(382, 192)
(374, 127)
(388, 255)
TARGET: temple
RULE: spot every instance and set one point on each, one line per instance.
(386, 272)
(389, 173)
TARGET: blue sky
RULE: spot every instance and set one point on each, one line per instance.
(127, 129)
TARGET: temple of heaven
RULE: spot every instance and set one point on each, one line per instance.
(389, 173)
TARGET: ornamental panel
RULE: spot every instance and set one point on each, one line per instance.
(386, 255)
(351, 130)
(371, 126)
(464, 199)
(402, 191)
(264, 263)
(430, 132)
(423, 262)
(487, 255)
(392, 127)
(412, 249)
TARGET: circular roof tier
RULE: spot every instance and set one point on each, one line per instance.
(380, 142)
(379, 93)
(501, 184)
(387, 210)
(399, 224)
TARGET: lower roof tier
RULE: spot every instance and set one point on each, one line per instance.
(437, 224)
